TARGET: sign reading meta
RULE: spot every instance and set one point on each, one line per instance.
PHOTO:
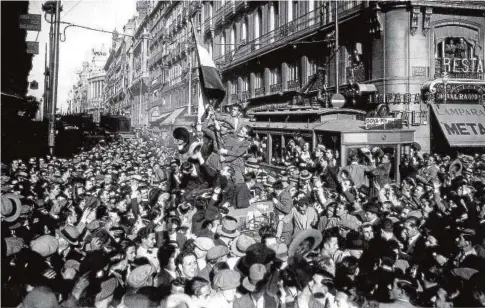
(463, 125)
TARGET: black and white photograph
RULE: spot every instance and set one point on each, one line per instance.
(242, 154)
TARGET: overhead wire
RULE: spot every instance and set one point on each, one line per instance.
(72, 8)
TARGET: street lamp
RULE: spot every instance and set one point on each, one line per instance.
(445, 83)
(53, 8)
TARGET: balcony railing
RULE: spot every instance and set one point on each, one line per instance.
(259, 91)
(208, 25)
(294, 85)
(282, 35)
(241, 6)
(245, 95)
(274, 88)
(219, 17)
(229, 10)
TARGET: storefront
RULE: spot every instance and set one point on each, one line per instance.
(457, 113)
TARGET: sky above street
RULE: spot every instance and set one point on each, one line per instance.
(99, 14)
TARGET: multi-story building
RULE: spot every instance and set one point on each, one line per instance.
(138, 84)
(172, 63)
(117, 72)
(389, 59)
(95, 83)
(80, 90)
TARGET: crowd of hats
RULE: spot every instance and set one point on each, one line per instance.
(76, 232)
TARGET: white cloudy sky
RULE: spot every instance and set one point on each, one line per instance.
(101, 14)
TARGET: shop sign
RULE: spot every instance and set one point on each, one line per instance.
(383, 123)
(419, 71)
(32, 47)
(460, 68)
(462, 125)
(31, 22)
(398, 98)
(461, 92)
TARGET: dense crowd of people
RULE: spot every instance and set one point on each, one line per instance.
(135, 223)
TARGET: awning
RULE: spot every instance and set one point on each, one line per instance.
(463, 125)
(173, 116)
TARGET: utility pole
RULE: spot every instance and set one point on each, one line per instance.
(336, 49)
(54, 72)
(45, 105)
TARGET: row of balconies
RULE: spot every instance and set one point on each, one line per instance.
(292, 85)
(280, 36)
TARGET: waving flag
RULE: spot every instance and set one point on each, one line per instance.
(211, 86)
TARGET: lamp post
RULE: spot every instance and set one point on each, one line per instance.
(53, 8)
(445, 83)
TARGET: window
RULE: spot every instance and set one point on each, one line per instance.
(276, 75)
(223, 44)
(257, 24)
(234, 87)
(244, 30)
(233, 38)
(312, 67)
(455, 47)
(258, 80)
(295, 10)
(245, 84)
(293, 71)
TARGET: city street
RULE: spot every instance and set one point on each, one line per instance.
(234, 154)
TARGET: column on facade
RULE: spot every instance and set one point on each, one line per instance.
(305, 66)
(284, 76)
(266, 80)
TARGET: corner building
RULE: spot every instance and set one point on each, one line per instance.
(401, 59)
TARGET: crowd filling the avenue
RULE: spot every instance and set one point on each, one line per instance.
(137, 223)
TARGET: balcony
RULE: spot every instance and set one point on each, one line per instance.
(245, 95)
(241, 6)
(219, 17)
(294, 85)
(275, 88)
(229, 9)
(208, 26)
(288, 32)
(259, 92)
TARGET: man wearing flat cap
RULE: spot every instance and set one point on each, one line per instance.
(225, 284)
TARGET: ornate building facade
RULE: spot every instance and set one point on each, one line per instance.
(277, 58)
(173, 62)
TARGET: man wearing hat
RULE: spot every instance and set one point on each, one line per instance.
(11, 207)
(238, 248)
(202, 246)
(255, 283)
(68, 238)
(214, 255)
(227, 231)
(372, 214)
(225, 284)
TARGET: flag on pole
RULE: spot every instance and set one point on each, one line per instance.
(212, 90)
